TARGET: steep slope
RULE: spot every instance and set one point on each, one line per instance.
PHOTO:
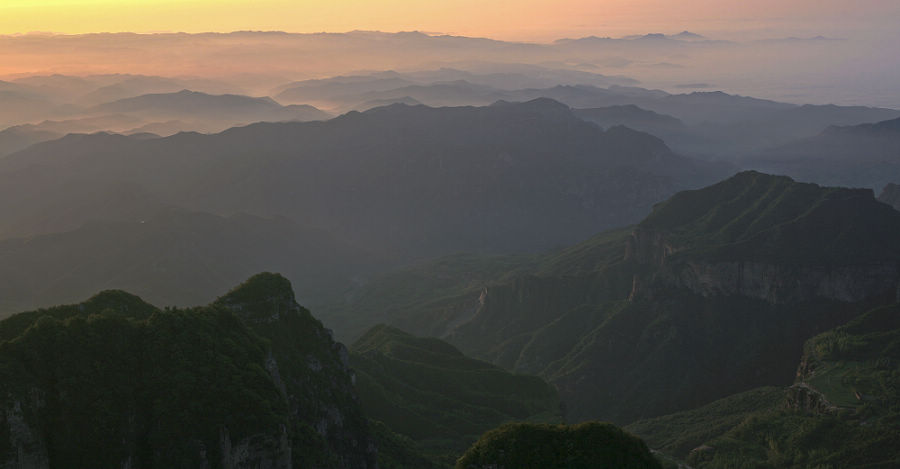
(427, 390)
(724, 295)
(252, 380)
(411, 181)
(712, 294)
(891, 195)
(840, 412)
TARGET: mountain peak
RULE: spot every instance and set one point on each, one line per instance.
(540, 105)
(118, 301)
(762, 216)
(687, 35)
(264, 294)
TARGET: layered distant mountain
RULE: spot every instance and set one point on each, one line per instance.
(22, 136)
(127, 86)
(666, 127)
(225, 110)
(171, 257)
(410, 180)
(17, 107)
(481, 77)
(266, 59)
(713, 124)
(18, 138)
(251, 380)
(866, 155)
(716, 124)
(397, 183)
(712, 294)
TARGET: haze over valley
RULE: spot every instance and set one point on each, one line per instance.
(423, 239)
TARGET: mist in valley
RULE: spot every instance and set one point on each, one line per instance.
(649, 243)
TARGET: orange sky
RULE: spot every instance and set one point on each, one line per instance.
(505, 19)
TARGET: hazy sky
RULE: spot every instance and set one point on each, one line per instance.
(534, 20)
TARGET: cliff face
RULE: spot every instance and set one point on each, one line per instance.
(772, 239)
(251, 381)
(788, 283)
(774, 282)
(891, 195)
(26, 447)
(713, 294)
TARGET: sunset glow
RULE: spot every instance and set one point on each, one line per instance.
(519, 20)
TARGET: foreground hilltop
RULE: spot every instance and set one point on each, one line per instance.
(428, 391)
(251, 380)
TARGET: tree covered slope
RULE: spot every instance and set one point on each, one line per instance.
(252, 380)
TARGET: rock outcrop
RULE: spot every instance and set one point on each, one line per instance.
(891, 195)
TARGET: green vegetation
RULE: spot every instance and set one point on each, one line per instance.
(398, 451)
(422, 297)
(854, 368)
(425, 391)
(657, 318)
(677, 434)
(772, 218)
(541, 446)
(115, 381)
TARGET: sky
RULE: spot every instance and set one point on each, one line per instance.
(523, 20)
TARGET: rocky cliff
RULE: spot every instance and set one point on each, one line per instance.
(891, 195)
(773, 239)
(713, 294)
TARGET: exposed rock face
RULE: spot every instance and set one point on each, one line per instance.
(770, 238)
(787, 283)
(648, 247)
(716, 293)
(27, 449)
(258, 452)
(804, 398)
(891, 195)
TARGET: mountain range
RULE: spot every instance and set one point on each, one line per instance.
(865, 155)
(170, 257)
(399, 182)
(212, 110)
(713, 293)
(716, 319)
